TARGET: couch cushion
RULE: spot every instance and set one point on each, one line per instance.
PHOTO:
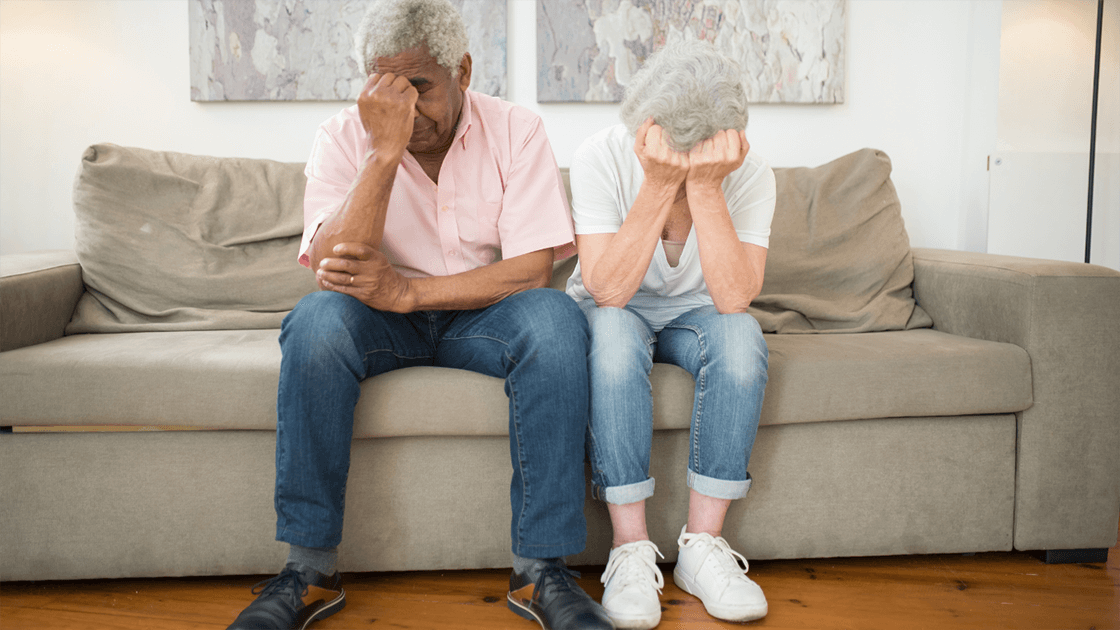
(228, 379)
(839, 258)
(223, 379)
(169, 241)
(893, 375)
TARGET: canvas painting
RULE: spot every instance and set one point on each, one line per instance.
(791, 51)
(303, 50)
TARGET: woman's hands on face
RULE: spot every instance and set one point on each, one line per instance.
(717, 157)
(662, 165)
(707, 164)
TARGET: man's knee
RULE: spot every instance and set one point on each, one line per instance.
(321, 322)
(323, 308)
(313, 306)
(544, 334)
(550, 317)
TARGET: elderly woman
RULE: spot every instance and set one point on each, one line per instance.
(672, 217)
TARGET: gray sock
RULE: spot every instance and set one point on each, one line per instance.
(322, 560)
(531, 566)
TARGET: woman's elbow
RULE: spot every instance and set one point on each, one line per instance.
(730, 309)
(609, 303)
(726, 305)
(606, 298)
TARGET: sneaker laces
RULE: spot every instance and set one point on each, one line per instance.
(289, 584)
(731, 564)
(632, 565)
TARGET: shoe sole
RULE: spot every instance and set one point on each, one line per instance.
(327, 610)
(727, 614)
(640, 622)
(522, 611)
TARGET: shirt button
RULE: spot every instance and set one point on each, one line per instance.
(443, 209)
(451, 253)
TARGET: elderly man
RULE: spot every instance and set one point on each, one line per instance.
(432, 214)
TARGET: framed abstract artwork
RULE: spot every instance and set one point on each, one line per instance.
(791, 51)
(302, 50)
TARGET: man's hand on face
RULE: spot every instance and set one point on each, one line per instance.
(661, 164)
(387, 107)
(717, 157)
(362, 272)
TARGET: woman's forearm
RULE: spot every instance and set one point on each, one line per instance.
(615, 271)
(732, 274)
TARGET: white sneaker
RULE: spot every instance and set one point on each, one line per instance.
(633, 583)
(710, 569)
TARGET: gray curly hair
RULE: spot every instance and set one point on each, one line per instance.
(393, 26)
(691, 90)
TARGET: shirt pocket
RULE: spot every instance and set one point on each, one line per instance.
(480, 193)
(478, 231)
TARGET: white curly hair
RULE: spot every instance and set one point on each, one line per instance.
(690, 89)
(393, 26)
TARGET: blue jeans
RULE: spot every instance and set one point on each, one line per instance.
(726, 355)
(536, 340)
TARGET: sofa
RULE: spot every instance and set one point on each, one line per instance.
(919, 401)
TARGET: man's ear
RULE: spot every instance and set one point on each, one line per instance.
(465, 72)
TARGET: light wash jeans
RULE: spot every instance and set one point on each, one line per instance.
(726, 355)
(536, 340)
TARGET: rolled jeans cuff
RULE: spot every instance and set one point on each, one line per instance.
(623, 495)
(718, 488)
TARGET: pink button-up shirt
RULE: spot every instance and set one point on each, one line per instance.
(500, 193)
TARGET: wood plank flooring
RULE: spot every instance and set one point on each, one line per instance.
(982, 591)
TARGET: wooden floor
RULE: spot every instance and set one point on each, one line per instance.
(983, 591)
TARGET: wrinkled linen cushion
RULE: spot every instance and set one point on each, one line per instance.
(170, 241)
(839, 258)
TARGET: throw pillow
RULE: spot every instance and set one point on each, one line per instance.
(170, 241)
(839, 258)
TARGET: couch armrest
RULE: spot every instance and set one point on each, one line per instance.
(1067, 317)
(38, 294)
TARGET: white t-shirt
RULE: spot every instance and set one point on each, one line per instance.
(606, 176)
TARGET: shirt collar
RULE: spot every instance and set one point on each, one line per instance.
(466, 118)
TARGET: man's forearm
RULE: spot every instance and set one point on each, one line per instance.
(484, 286)
(361, 218)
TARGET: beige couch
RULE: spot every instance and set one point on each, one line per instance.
(983, 418)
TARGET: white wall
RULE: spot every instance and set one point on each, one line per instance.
(1046, 76)
(1039, 177)
(922, 78)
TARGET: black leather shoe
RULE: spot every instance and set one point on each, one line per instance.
(548, 594)
(292, 600)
